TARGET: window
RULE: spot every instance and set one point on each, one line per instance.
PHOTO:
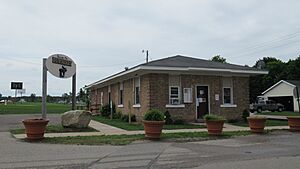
(174, 90)
(227, 91)
(137, 90)
(187, 95)
(121, 93)
(101, 98)
(109, 95)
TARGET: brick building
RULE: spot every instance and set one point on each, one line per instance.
(187, 87)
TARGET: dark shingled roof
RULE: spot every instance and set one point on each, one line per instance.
(183, 61)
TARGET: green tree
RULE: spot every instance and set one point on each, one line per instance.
(33, 97)
(218, 58)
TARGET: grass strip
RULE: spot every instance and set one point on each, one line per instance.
(127, 139)
(135, 126)
(56, 129)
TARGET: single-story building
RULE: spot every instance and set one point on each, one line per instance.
(285, 92)
(187, 87)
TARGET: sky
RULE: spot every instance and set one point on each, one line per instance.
(103, 37)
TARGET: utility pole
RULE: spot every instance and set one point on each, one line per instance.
(147, 55)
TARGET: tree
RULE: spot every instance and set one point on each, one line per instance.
(0, 96)
(218, 58)
(33, 97)
(65, 97)
(81, 95)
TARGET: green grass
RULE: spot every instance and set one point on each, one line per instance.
(55, 129)
(268, 123)
(127, 139)
(134, 126)
(33, 108)
(284, 113)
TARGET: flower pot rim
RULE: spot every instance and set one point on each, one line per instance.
(293, 117)
(257, 117)
(216, 120)
(35, 120)
(151, 121)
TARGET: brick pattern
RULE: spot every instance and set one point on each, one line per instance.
(155, 94)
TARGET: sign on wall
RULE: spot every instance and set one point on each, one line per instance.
(16, 85)
(61, 66)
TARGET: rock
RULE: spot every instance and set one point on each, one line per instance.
(76, 119)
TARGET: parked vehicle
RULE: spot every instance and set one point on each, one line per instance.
(262, 105)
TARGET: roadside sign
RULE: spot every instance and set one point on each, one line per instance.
(16, 85)
(61, 66)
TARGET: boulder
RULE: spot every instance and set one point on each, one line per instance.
(76, 119)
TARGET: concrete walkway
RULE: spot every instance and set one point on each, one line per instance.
(110, 130)
(273, 117)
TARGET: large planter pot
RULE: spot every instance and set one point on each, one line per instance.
(294, 123)
(214, 127)
(257, 125)
(35, 128)
(153, 129)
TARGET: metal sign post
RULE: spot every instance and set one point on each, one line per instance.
(44, 90)
(61, 66)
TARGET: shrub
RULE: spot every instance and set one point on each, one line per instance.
(117, 115)
(154, 115)
(233, 120)
(168, 118)
(105, 110)
(179, 122)
(212, 117)
(245, 114)
(125, 118)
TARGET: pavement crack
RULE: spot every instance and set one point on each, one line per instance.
(155, 159)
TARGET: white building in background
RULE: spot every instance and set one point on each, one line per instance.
(285, 92)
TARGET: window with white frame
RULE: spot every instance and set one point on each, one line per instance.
(121, 93)
(101, 98)
(137, 90)
(227, 91)
(174, 90)
(187, 95)
(109, 95)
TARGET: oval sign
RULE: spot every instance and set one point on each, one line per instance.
(61, 66)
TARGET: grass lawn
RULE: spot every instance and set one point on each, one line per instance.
(127, 139)
(268, 123)
(284, 113)
(33, 108)
(55, 129)
(126, 126)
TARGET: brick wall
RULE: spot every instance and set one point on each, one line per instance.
(155, 94)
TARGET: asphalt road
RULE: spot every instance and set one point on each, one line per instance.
(273, 151)
(11, 121)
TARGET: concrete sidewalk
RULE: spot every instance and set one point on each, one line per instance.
(110, 130)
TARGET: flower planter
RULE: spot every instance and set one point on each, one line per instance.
(294, 123)
(214, 127)
(35, 128)
(256, 124)
(153, 129)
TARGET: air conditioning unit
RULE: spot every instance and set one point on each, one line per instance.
(175, 101)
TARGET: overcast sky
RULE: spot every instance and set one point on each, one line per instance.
(103, 37)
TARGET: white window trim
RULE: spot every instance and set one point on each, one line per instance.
(175, 105)
(228, 105)
(134, 92)
(120, 105)
(136, 105)
(231, 96)
(121, 87)
(179, 95)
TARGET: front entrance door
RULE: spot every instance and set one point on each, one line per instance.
(202, 101)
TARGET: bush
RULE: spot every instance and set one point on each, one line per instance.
(117, 115)
(212, 117)
(245, 114)
(105, 110)
(233, 120)
(125, 118)
(179, 122)
(168, 118)
(154, 115)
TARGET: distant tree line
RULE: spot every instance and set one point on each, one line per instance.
(278, 70)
